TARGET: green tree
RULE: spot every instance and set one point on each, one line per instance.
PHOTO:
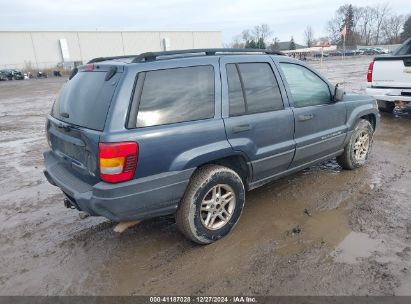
(347, 16)
(252, 44)
(261, 44)
(349, 24)
(292, 44)
(406, 33)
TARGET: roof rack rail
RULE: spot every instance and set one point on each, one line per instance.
(152, 56)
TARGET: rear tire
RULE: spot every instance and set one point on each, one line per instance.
(358, 148)
(212, 204)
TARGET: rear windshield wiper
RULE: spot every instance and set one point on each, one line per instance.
(67, 127)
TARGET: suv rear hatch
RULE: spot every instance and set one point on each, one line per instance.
(78, 117)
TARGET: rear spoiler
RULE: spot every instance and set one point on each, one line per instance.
(89, 67)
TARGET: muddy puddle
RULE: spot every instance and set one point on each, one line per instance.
(356, 245)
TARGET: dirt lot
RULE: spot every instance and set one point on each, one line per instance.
(355, 234)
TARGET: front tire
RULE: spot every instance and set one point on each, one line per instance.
(212, 204)
(358, 148)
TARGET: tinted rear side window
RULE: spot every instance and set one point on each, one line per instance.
(176, 95)
(235, 92)
(85, 99)
(261, 90)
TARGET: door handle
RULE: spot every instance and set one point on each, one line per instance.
(305, 117)
(241, 128)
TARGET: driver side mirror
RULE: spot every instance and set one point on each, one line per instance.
(338, 93)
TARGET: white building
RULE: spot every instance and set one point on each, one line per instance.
(46, 49)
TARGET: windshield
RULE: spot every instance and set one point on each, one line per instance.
(85, 99)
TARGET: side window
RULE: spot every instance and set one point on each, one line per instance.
(235, 92)
(176, 95)
(306, 87)
(252, 88)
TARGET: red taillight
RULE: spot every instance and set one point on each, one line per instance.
(369, 73)
(118, 161)
(89, 67)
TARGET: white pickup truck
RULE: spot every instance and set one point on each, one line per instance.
(389, 79)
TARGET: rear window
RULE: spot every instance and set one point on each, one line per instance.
(85, 99)
(404, 49)
(176, 95)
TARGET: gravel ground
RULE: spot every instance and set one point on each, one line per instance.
(355, 236)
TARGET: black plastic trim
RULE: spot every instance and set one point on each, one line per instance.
(73, 73)
(152, 56)
(111, 73)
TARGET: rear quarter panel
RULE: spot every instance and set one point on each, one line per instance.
(359, 106)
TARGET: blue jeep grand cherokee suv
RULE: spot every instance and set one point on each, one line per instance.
(188, 132)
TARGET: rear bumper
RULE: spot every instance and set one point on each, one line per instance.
(134, 200)
(388, 94)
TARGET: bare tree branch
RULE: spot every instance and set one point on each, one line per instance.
(366, 24)
(309, 36)
(380, 13)
(392, 27)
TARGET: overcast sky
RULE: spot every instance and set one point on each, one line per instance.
(285, 18)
